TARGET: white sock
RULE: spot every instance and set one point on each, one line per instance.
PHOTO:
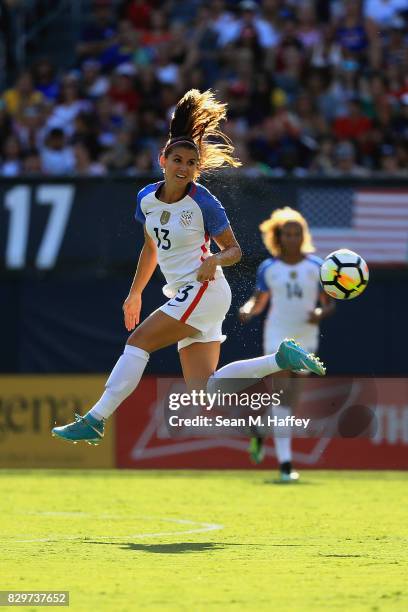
(282, 435)
(124, 379)
(247, 368)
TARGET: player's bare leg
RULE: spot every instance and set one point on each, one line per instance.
(158, 331)
(199, 361)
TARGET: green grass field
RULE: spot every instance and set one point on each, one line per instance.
(126, 540)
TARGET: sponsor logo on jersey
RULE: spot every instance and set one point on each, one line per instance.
(186, 217)
(293, 274)
(165, 217)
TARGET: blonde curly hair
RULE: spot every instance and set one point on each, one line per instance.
(270, 229)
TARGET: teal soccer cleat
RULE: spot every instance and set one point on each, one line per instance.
(84, 428)
(289, 478)
(291, 356)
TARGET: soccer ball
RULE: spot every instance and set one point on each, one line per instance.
(344, 274)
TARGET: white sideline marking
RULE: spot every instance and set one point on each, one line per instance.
(203, 527)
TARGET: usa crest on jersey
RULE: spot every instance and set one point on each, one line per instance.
(186, 217)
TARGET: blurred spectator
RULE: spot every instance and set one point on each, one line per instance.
(250, 23)
(354, 124)
(203, 50)
(289, 163)
(251, 167)
(399, 124)
(169, 96)
(395, 50)
(84, 164)
(389, 163)
(45, 80)
(94, 84)
(260, 101)
(149, 87)
(167, 72)
(122, 93)
(7, 45)
(308, 31)
(5, 122)
(179, 47)
(345, 163)
(143, 164)
(290, 64)
(402, 153)
(352, 32)
(374, 94)
(397, 81)
(326, 54)
(312, 123)
(69, 105)
(30, 128)
(11, 157)
(31, 165)
(183, 12)
(121, 49)
(383, 11)
(138, 12)
(108, 122)
(324, 94)
(99, 33)
(158, 32)
(152, 130)
(56, 156)
(22, 95)
(277, 136)
(119, 158)
(223, 22)
(323, 162)
(86, 131)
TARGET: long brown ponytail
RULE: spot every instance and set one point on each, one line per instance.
(195, 123)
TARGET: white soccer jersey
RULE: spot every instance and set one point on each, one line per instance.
(294, 293)
(182, 231)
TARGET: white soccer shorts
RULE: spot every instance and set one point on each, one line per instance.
(203, 306)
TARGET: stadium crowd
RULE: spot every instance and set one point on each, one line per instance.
(314, 87)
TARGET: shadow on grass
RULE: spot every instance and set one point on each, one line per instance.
(183, 547)
(295, 484)
(341, 556)
(165, 549)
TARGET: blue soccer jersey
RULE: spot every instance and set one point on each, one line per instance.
(182, 231)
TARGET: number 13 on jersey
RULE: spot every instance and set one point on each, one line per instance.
(163, 242)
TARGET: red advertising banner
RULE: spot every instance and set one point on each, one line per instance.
(143, 439)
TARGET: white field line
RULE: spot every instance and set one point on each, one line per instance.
(202, 527)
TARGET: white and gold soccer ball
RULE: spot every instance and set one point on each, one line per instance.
(344, 274)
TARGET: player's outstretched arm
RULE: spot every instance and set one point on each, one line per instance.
(325, 309)
(229, 255)
(254, 306)
(145, 268)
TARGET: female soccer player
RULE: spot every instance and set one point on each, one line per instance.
(180, 218)
(289, 280)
